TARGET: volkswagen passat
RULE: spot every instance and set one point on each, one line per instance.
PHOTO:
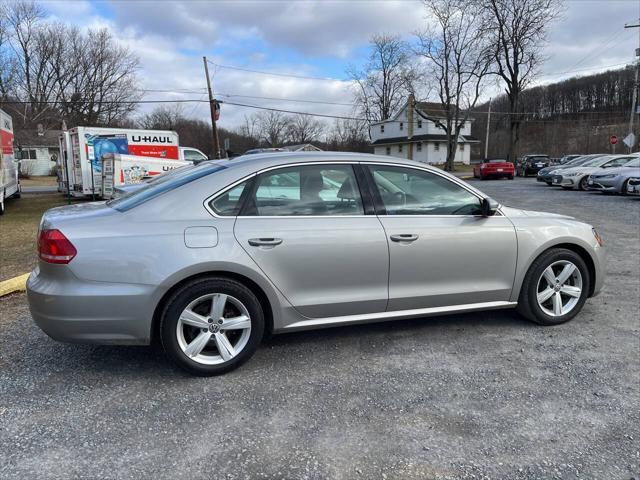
(615, 180)
(211, 258)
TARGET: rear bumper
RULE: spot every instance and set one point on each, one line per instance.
(72, 310)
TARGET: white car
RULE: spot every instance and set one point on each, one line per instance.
(577, 178)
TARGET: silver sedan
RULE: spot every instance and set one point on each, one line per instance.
(210, 259)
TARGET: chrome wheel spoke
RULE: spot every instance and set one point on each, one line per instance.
(557, 304)
(566, 273)
(549, 276)
(236, 323)
(227, 352)
(189, 317)
(217, 305)
(545, 295)
(571, 291)
(197, 344)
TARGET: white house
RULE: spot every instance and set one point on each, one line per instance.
(425, 142)
(38, 151)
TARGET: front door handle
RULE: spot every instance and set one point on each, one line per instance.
(264, 242)
(404, 237)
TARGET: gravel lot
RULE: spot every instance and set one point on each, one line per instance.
(485, 395)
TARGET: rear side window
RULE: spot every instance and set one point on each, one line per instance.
(162, 184)
(307, 190)
(228, 204)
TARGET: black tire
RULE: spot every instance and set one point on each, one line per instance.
(583, 183)
(625, 185)
(528, 304)
(193, 290)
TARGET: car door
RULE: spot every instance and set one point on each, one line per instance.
(305, 227)
(442, 252)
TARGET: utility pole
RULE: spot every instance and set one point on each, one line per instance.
(634, 102)
(486, 135)
(212, 105)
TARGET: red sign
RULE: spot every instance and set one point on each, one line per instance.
(613, 140)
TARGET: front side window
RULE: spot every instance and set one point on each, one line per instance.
(406, 191)
(618, 162)
(306, 190)
(194, 155)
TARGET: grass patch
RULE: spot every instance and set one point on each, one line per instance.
(18, 230)
(457, 167)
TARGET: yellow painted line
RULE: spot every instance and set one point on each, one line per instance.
(16, 284)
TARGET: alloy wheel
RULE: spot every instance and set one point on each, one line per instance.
(559, 288)
(213, 329)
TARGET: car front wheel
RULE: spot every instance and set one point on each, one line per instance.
(555, 287)
(211, 326)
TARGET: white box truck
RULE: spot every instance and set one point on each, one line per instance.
(118, 170)
(89, 144)
(9, 183)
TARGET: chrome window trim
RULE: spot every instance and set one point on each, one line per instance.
(426, 168)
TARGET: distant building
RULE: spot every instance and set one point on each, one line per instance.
(38, 150)
(304, 147)
(428, 143)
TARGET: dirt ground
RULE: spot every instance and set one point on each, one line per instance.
(484, 395)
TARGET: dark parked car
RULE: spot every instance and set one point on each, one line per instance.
(532, 164)
(494, 169)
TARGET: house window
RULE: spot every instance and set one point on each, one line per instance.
(399, 148)
(381, 128)
(401, 125)
(419, 123)
(29, 154)
(462, 147)
(388, 150)
(436, 147)
(419, 146)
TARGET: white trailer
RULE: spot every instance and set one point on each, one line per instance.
(118, 170)
(87, 146)
(9, 183)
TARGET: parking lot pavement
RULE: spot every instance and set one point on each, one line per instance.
(482, 395)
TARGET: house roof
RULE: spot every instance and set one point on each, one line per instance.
(429, 109)
(429, 137)
(31, 138)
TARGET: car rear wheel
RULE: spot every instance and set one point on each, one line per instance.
(211, 326)
(555, 287)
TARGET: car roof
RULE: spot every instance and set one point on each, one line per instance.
(260, 161)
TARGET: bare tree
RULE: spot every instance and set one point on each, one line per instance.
(163, 118)
(518, 29)
(383, 85)
(272, 127)
(304, 128)
(349, 135)
(458, 59)
(249, 128)
(8, 64)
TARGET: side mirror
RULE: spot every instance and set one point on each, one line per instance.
(489, 206)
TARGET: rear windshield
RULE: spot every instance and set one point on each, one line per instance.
(164, 183)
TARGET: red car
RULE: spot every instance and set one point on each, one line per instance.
(494, 169)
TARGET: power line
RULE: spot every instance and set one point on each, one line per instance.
(276, 74)
(585, 69)
(295, 100)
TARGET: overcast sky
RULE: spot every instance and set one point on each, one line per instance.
(317, 39)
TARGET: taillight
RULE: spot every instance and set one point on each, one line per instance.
(54, 247)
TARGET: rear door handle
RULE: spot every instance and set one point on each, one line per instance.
(264, 242)
(404, 237)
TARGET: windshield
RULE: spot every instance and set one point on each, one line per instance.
(633, 163)
(164, 183)
(595, 162)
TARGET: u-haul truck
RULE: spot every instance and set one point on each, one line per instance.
(9, 184)
(118, 170)
(89, 144)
